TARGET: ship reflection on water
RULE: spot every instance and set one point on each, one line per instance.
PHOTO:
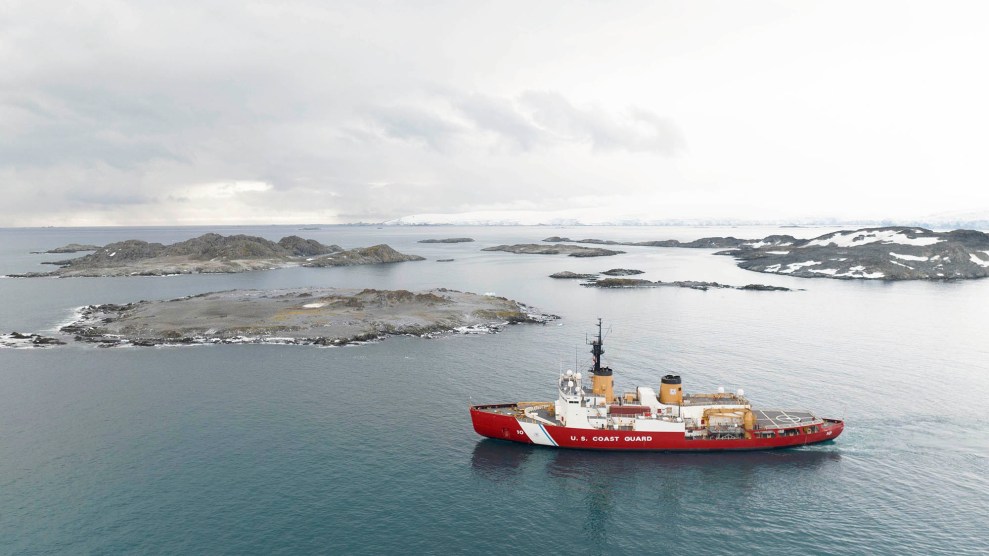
(581, 464)
(497, 460)
(597, 488)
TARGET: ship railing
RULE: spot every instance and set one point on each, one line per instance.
(536, 420)
(725, 429)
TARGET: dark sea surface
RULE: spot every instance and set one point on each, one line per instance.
(259, 449)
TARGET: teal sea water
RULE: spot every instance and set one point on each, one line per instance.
(250, 449)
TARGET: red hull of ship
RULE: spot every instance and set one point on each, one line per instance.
(507, 427)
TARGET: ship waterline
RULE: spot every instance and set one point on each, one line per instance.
(510, 422)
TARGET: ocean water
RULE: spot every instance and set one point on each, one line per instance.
(246, 449)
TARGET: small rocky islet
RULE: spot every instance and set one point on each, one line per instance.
(215, 253)
(690, 284)
(559, 249)
(622, 272)
(616, 280)
(448, 240)
(19, 340)
(70, 248)
(568, 275)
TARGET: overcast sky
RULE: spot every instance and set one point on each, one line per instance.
(130, 113)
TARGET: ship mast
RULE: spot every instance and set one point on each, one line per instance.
(597, 350)
(602, 383)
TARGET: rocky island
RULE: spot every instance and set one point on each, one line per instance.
(888, 253)
(214, 253)
(70, 248)
(376, 254)
(622, 272)
(885, 253)
(558, 249)
(324, 316)
(569, 275)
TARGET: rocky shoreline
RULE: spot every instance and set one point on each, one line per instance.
(305, 316)
(19, 340)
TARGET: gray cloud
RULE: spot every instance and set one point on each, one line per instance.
(531, 121)
(341, 109)
(54, 127)
(502, 117)
(643, 132)
(416, 124)
(142, 108)
(110, 198)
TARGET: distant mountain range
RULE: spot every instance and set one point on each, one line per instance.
(978, 220)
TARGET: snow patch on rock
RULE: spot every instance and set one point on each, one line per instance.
(984, 264)
(796, 266)
(908, 257)
(856, 238)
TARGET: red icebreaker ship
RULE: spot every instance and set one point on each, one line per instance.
(595, 419)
